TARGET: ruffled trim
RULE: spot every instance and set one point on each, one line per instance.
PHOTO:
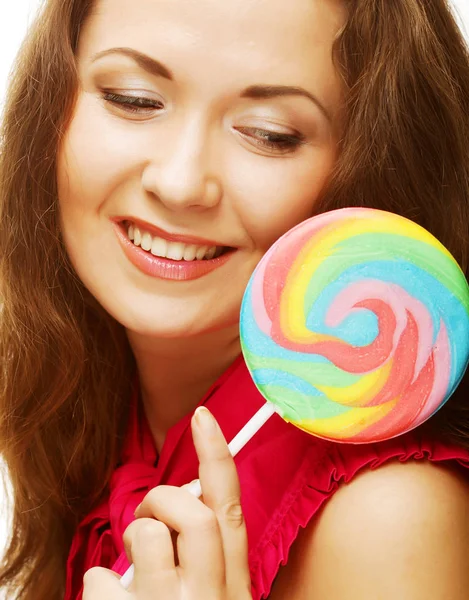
(339, 465)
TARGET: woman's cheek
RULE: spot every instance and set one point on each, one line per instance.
(274, 195)
(99, 152)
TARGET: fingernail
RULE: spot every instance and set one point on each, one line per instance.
(205, 421)
(194, 488)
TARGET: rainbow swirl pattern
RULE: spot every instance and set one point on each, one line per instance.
(355, 325)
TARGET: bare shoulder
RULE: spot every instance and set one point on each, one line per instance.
(401, 531)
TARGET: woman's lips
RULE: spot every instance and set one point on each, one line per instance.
(165, 268)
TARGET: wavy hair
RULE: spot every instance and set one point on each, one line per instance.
(65, 365)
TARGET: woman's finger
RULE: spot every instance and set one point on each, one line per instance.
(199, 544)
(221, 492)
(149, 547)
(102, 584)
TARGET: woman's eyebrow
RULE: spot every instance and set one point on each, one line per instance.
(273, 91)
(261, 92)
(152, 66)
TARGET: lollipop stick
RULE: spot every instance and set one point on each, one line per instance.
(251, 428)
(236, 444)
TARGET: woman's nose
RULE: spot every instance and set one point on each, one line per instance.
(184, 174)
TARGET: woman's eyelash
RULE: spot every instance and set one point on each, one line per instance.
(138, 104)
(272, 139)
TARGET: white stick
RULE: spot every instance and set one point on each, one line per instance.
(251, 428)
(236, 444)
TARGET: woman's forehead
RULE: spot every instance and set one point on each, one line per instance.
(272, 30)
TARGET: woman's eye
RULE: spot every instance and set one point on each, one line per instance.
(133, 104)
(273, 140)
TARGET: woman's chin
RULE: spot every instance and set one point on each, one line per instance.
(174, 325)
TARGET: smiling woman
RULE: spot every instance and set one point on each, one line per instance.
(243, 147)
(152, 152)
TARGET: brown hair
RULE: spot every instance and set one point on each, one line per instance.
(66, 366)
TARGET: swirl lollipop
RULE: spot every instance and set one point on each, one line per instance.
(354, 327)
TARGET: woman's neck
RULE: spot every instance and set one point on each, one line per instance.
(175, 374)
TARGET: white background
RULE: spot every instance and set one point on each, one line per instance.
(14, 18)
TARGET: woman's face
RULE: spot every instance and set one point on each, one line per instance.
(204, 131)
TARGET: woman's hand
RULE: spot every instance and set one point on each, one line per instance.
(209, 559)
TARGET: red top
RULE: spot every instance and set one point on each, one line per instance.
(286, 475)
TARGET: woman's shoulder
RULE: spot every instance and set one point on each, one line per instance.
(394, 502)
(402, 530)
(313, 476)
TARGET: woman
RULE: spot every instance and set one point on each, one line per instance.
(151, 154)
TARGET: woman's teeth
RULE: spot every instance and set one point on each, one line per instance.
(173, 250)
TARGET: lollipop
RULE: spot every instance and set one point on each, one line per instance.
(354, 327)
